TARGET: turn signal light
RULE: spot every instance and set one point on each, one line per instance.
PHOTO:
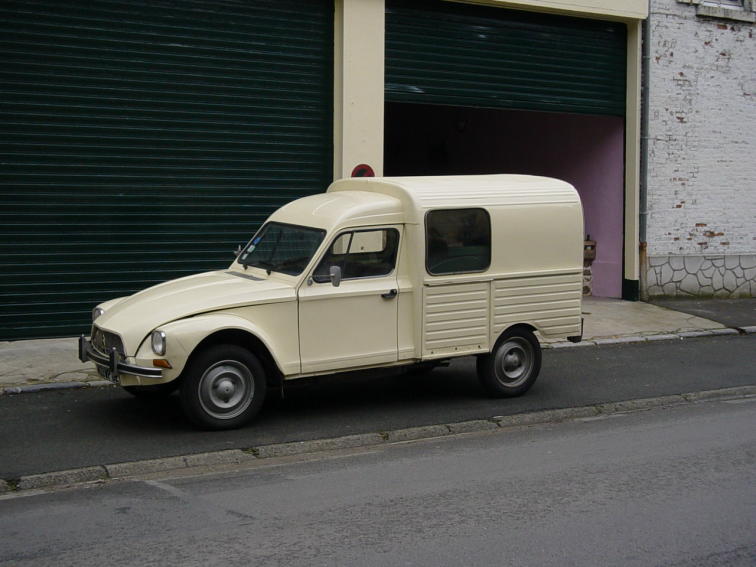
(161, 363)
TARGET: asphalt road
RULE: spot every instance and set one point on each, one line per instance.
(665, 487)
(57, 430)
(730, 312)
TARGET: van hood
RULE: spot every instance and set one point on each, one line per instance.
(135, 316)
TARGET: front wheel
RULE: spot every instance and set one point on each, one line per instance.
(513, 366)
(223, 388)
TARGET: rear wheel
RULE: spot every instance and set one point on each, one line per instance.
(223, 388)
(513, 366)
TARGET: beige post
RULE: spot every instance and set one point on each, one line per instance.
(359, 31)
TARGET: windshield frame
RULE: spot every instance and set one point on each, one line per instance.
(274, 267)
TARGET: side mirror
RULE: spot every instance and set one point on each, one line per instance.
(238, 251)
(335, 273)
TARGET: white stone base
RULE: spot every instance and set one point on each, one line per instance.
(706, 276)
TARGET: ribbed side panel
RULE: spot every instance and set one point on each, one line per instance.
(454, 54)
(456, 318)
(550, 303)
(141, 141)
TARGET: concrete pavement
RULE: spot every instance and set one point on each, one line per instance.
(51, 363)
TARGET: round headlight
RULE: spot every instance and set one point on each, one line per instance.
(96, 312)
(158, 342)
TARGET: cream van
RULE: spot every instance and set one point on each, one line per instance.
(376, 272)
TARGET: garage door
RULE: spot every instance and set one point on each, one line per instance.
(461, 55)
(143, 140)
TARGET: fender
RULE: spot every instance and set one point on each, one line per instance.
(274, 325)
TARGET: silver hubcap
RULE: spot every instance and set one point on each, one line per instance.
(514, 362)
(226, 389)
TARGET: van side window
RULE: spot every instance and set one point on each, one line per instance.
(457, 241)
(360, 254)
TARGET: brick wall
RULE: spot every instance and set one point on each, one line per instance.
(702, 153)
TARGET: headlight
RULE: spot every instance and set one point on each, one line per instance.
(96, 312)
(158, 342)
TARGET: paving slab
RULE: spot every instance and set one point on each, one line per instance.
(606, 317)
(43, 361)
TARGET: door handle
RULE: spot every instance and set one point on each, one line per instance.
(391, 294)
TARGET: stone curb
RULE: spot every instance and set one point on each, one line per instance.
(257, 454)
(71, 476)
(30, 388)
(646, 338)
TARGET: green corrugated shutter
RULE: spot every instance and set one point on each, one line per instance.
(142, 140)
(454, 54)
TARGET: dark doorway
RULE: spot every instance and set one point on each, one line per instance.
(585, 150)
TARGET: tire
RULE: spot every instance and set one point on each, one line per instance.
(224, 387)
(513, 366)
(153, 392)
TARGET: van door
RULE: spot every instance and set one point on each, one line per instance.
(353, 323)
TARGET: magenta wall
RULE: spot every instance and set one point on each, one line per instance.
(587, 151)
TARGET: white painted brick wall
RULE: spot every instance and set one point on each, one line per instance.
(702, 130)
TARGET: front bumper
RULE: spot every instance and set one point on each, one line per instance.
(110, 365)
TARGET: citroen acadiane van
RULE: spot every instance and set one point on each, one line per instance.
(376, 272)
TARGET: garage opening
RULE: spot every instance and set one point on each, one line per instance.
(475, 89)
(587, 151)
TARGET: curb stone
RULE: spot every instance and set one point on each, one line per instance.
(472, 426)
(301, 447)
(415, 433)
(659, 337)
(71, 476)
(31, 388)
(120, 470)
(545, 416)
(664, 337)
(253, 454)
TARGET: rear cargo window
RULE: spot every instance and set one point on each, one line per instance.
(457, 241)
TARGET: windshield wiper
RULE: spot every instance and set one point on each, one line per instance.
(267, 266)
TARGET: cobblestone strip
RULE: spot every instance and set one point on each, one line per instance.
(709, 276)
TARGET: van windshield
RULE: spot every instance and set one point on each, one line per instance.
(284, 248)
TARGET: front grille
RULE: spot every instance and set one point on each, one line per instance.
(104, 341)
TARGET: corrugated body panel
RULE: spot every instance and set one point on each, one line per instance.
(550, 303)
(456, 318)
(143, 140)
(461, 55)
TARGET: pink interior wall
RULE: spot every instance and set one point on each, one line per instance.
(587, 151)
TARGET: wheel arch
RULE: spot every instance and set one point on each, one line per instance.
(244, 339)
(510, 329)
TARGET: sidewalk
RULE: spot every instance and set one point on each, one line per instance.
(51, 363)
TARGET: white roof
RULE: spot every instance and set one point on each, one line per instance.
(460, 191)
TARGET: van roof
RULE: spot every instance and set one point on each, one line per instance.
(395, 200)
(460, 191)
(329, 210)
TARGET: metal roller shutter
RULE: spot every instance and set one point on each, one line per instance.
(142, 140)
(454, 54)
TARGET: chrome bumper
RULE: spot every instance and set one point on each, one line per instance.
(109, 364)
